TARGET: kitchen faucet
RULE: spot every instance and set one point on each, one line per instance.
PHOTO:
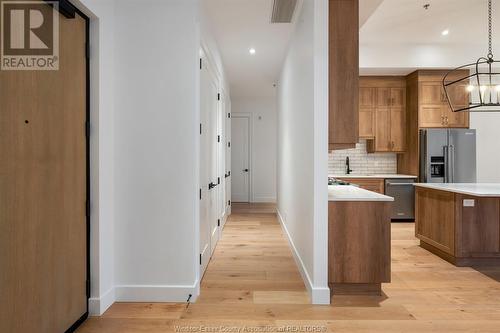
(348, 167)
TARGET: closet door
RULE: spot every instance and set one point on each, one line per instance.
(43, 190)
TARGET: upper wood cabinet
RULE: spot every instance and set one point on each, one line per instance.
(343, 74)
(434, 110)
(382, 113)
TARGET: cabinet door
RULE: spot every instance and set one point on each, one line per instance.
(431, 116)
(382, 129)
(367, 97)
(398, 133)
(398, 97)
(366, 122)
(384, 97)
(435, 218)
(431, 93)
(456, 119)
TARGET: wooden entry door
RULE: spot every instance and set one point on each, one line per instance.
(43, 191)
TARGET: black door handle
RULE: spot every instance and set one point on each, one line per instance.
(211, 186)
(245, 170)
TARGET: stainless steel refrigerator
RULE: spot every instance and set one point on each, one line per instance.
(448, 155)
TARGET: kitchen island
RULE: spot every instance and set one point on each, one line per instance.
(359, 240)
(459, 222)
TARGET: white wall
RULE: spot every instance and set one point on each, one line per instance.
(156, 139)
(144, 150)
(302, 147)
(264, 127)
(488, 153)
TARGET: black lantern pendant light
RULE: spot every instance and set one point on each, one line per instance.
(479, 81)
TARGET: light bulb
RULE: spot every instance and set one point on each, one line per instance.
(470, 88)
(252, 51)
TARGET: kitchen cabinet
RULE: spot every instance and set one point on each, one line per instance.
(359, 246)
(460, 228)
(434, 110)
(343, 74)
(382, 113)
(370, 184)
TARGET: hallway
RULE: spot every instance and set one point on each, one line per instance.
(253, 281)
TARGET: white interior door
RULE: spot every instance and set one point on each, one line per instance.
(213, 112)
(205, 248)
(240, 149)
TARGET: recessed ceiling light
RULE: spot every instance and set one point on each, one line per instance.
(252, 51)
(445, 32)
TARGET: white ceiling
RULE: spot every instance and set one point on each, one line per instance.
(406, 21)
(396, 36)
(237, 26)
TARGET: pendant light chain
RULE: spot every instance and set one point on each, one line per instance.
(490, 48)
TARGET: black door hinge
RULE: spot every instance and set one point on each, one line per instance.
(229, 202)
(87, 129)
(88, 287)
(218, 97)
(200, 258)
(201, 128)
(87, 208)
(201, 63)
(218, 138)
(229, 144)
(218, 180)
(229, 115)
(218, 222)
(200, 193)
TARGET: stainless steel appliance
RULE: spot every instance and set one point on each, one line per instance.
(448, 155)
(401, 189)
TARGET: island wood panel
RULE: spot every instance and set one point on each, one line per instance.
(343, 74)
(478, 227)
(359, 242)
(435, 218)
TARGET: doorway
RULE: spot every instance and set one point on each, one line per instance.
(44, 188)
(240, 158)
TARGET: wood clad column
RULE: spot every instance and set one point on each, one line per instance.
(43, 191)
(343, 73)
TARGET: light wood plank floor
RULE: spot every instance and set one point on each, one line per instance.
(252, 281)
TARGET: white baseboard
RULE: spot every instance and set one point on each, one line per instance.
(318, 295)
(99, 305)
(257, 199)
(156, 293)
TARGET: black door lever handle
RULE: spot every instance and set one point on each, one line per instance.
(245, 170)
(211, 186)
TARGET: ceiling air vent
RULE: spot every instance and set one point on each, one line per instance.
(283, 11)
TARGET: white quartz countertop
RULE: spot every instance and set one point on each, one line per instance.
(354, 193)
(473, 189)
(384, 176)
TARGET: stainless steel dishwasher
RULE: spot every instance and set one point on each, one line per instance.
(403, 192)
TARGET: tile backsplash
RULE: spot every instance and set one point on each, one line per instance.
(362, 162)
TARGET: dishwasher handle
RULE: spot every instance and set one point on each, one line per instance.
(400, 184)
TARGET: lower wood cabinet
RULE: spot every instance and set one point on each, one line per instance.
(359, 246)
(370, 184)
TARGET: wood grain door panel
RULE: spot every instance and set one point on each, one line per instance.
(366, 122)
(398, 129)
(383, 97)
(43, 191)
(431, 93)
(398, 97)
(382, 129)
(435, 219)
(431, 116)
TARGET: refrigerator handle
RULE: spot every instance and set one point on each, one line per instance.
(452, 163)
(446, 163)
